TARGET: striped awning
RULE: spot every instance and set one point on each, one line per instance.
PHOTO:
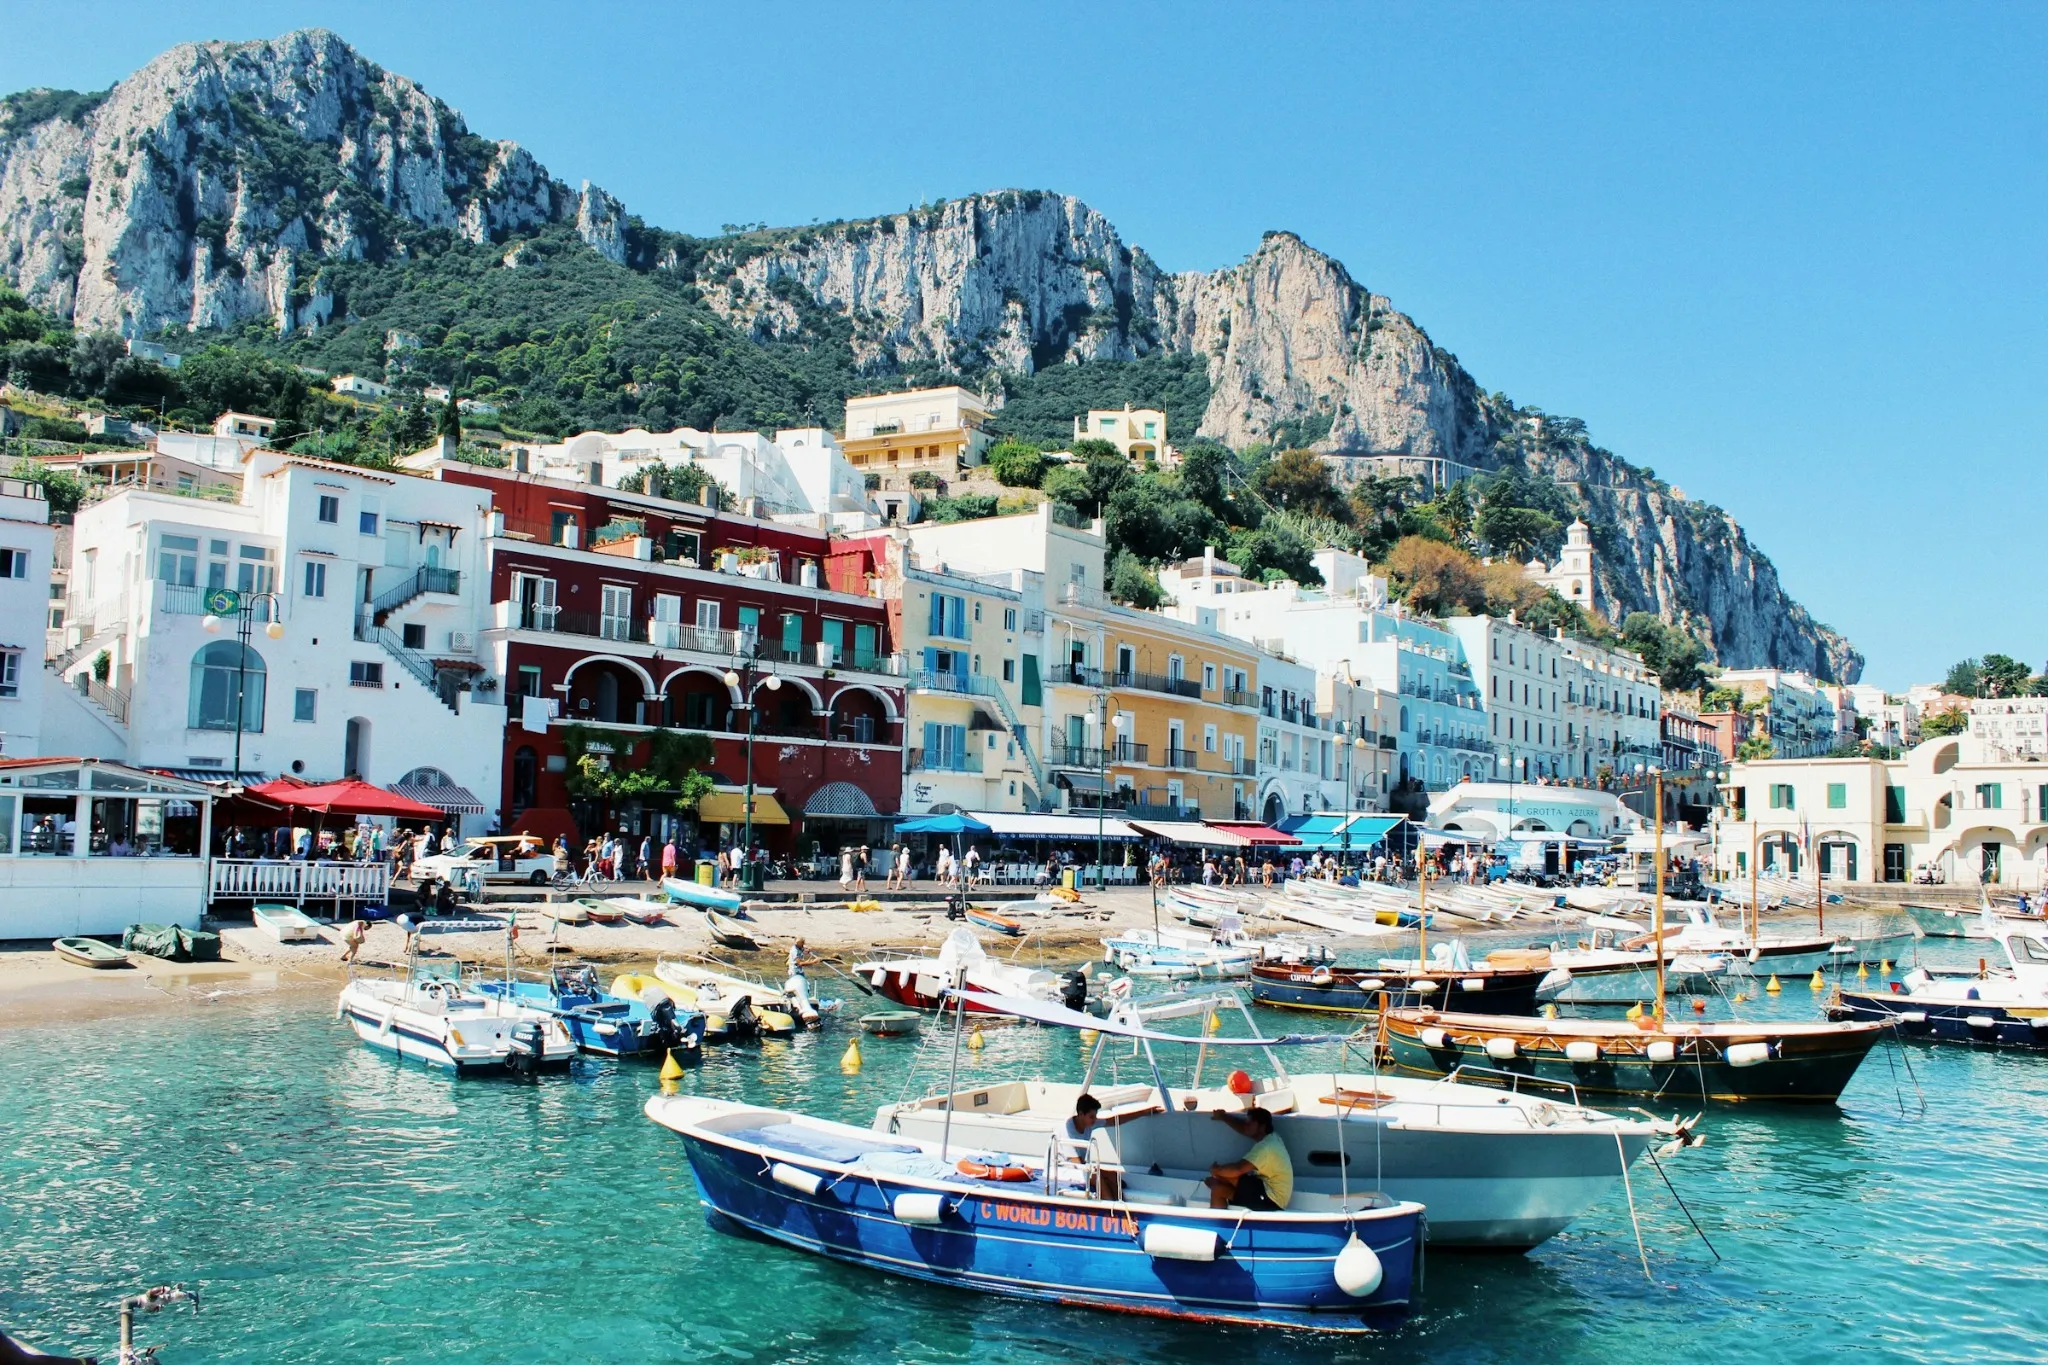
(249, 778)
(449, 797)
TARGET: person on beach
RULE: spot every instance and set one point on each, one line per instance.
(646, 856)
(1263, 1180)
(668, 858)
(846, 869)
(352, 941)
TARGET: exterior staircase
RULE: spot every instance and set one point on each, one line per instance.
(370, 631)
(424, 579)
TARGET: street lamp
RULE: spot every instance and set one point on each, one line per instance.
(1347, 740)
(747, 672)
(1117, 724)
(224, 602)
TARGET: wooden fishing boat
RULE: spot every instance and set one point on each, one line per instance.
(983, 917)
(729, 933)
(891, 1023)
(1676, 1061)
(90, 952)
(1363, 990)
(286, 924)
(602, 912)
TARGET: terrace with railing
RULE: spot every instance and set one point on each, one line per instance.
(1080, 675)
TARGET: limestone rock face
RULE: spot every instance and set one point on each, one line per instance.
(206, 189)
(217, 183)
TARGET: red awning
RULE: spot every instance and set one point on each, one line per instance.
(1257, 834)
(350, 797)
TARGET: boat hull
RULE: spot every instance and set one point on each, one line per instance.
(1017, 1242)
(1933, 922)
(88, 952)
(1350, 990)
(1971, 1023)
(1804, 1067)
(703, 897)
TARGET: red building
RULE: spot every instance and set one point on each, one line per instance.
(615, 613)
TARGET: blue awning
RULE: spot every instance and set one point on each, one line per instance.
(1325, 833)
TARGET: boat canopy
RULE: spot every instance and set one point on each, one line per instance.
(1045, 1012)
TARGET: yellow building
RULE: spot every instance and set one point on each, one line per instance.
(1140, 433)
(935, 431)
(1176, 701)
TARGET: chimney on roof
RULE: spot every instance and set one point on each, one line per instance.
(1208, 561)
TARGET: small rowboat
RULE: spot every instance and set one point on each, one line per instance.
(601, 912)
(644, 912)
(983, 917)
(90, 952)
(891, 1023)
(569, 914)
(286, 924)
(730, 933)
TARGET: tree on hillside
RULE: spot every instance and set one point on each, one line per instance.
(1272, 552)
(1131, 583)
(1516, 532)
(451, 421)
(1153, 522)
(1205, 474)
(1299, 481)
(1433, 577)
(1015, 464)
(1674, 653)
(2004, 676)
(1964, 679)
(1936, 724)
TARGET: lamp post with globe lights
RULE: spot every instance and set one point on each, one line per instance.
(746, 676)
(222, 603)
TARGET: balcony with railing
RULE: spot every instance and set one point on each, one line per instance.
(945, 761)
(1080, 675)
(726, 644)
(1086, 756)
(1181, 758)
(1233, 696)
(187, 599)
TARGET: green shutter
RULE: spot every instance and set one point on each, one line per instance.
(1838, 795)
(792, 634)
(1030, 695)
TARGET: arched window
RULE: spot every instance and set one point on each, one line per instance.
(222, 673)
(426, 777)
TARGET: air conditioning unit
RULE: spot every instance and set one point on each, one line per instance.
(461, 642)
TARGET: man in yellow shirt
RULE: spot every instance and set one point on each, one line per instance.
(1264, 1180)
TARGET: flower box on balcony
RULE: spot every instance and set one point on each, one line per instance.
(628, 547)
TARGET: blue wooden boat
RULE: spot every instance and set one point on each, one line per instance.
(703, 897)
(1988, 1007)
(608, 1025)
(909, 1208)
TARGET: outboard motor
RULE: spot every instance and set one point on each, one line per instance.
(529, 1045)
(664, 1032)
(1074, 990)
(741, 1023)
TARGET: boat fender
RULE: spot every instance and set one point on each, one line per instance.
(797, 1178)
(877, 977)
(1501, 1049)
(1472, 983)
(1582, 1051)
(1435, 1038)
(988, 1170)
(1358, 1269)
(1748, 1054)
(1914, 1017)
(1663, 1050)
(923, 1209)
(1981, 1021)
(1169, 1242)
(1371, 985)
(1422, 986)
(1321, 976)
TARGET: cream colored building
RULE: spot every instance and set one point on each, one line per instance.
(934, 431)
(1140, 433)
(1956, 805)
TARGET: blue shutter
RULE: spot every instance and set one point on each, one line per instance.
(938, 614)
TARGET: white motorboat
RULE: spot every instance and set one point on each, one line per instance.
(1218, 955)
(921, 982)
(1751, 954)
(1987, 1007)
(1495, 1168)
(429, 1017)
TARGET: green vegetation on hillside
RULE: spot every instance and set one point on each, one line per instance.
(21, 112)
(1041, 407)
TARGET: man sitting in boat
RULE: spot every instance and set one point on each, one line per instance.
(1264, 1181)
(800, 957)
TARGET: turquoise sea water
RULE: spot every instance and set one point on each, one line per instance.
(333, 1205)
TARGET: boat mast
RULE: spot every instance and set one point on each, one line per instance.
(1421, 901)
(1755, 916)
(953, 1071)
(1658, 773)
(1820, 905)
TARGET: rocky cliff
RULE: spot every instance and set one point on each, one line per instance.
(212, 187)
(209, 187)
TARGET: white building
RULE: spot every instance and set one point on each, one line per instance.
(1615, 707)
(801, 474)
(1572, 576)
(355, 386)
(1498, 810)
(25, 566)
(1139, 434)
(2015, 726)
(365, 591)
(1800, 715)
(1894, 720)
(1298, 770)
(1955, 804)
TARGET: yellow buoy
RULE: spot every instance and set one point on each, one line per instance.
(1550, 1011)
(671, 1072)
(1817, 983)
(850, 1061)
(1773, 988)
(1738, 998)
(1862, 971)
(1885, 966)
(975, 1040)
(1088, 1037)
(1215, 1024)
(1635, 1011)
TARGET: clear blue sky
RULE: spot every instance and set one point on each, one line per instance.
(1790, 257)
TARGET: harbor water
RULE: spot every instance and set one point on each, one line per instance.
(334, 1205)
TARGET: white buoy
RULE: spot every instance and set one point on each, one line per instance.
(1501, 1049)
(1434, 1037)
(1172, 1242)
(1663, 1051)
(810, 1182)
(1472, 983)
(1748, 1054)
(923, 1209)
(1582, 1051)
(1358, 1269)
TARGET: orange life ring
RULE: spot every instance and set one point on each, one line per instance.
(981, 1170)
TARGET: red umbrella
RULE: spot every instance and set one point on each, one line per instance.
(348, 797)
